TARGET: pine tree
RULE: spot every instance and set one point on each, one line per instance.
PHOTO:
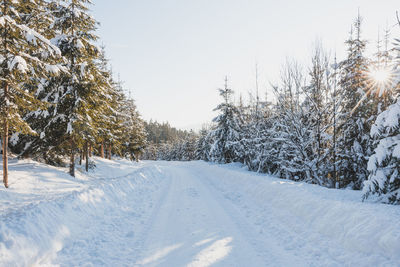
(353, 139)
(316, 107)
(133, 135)
(268, 148)
(323, 99)
(24, 54)
(380, 74)
(203, 145)
(292, 130)
(109, 121)
(77, 92)
(384, 164)
(226, 134)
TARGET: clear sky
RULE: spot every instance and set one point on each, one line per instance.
(174, 54)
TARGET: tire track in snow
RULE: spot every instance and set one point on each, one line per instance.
(142, 236)
(267, 249)
(192, 228)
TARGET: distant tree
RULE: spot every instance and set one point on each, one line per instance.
(203, 145)
(133, 136)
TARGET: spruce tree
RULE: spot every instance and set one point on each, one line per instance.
(353, 139)
(226, 133)
(384, 164)
(109, 119)
(25, 54)
(77, 91)
(203, 145)
(133, 136)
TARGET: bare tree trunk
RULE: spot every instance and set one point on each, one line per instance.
(87, 157)
(137, 155)
(90, 150)
(335, 178)
(80, 157)
(5, 157)
(5, 122)
(102, 150)
(72, 159)
(109, 151)
(319, 142)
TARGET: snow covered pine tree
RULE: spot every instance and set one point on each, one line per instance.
(77, 94)
(353, 139)
(24, 55)
(226, 134)
(384, 164)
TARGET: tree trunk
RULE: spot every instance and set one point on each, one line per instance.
(5, 118)
(335, 177)
(5, 157)
(90, 150)
(102, 150)
(80, 157)
(87, 157)
(137, 155)
(72, 159)
(5, 141)
(109, 151)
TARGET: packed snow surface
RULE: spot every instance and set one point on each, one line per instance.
(187, 214)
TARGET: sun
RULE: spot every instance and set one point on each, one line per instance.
(380, 75)
(380, 78)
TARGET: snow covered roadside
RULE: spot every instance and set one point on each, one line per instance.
(44, 212)
(324, 227)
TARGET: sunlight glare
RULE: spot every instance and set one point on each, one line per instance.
(380, 79)
(380, 75)
(159, 254)
(212, 254)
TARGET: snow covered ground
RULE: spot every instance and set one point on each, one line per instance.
(187, 214)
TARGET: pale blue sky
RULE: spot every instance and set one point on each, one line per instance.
(174, 54)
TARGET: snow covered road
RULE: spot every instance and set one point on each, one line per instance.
(228, 216)
(191, 227)
(192, 214)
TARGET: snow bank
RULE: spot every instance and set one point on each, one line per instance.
(369, 230)
(44, 206)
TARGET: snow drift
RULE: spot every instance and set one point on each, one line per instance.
(370, 232)
(44, 206)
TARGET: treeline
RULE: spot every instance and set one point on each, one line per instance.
(334, 123)
(168, 143)
(158, 133)
(58, 96)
